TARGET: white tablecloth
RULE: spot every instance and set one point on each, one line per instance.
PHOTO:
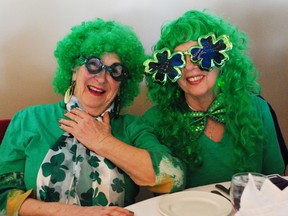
(149, 207)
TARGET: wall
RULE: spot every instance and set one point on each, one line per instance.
(30, 30)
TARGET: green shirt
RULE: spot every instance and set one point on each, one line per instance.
(35, 129)
(219, 157)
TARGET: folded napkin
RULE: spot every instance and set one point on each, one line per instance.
(270, 200)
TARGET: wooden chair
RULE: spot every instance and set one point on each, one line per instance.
(3, 126)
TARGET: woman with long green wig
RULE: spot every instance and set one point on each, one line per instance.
(204, 87)
(58, 159)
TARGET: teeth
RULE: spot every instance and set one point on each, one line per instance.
(192, 79)
(95, 89)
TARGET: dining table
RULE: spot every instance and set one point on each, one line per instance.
(150, 207)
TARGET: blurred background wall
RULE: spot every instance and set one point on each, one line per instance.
(30, 29)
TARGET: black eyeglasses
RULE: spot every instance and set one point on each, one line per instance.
(117, 71)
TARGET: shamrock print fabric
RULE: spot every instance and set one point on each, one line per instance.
(72, 174)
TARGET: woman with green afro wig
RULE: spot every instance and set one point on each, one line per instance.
(60, 158)
(94, 38)
(207, 109)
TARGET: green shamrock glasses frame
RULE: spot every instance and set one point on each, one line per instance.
(209, 53)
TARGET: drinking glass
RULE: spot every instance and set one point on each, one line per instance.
(238, 183)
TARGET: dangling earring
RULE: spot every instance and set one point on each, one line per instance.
(69, 92)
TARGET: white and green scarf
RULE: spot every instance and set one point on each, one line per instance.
(72, 174)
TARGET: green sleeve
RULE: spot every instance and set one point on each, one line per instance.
(151, 116)
(170, 172)
(12, 188)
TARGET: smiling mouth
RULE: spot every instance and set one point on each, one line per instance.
(195, 78)
(95, 90)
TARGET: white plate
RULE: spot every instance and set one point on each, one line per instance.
(200, 203)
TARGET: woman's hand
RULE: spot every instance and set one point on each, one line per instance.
(86, 129)
(103, 211)
(36, 207)
(97, 136)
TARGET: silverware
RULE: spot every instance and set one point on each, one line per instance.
(223, 189)
(220, 194)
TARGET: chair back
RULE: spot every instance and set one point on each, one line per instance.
(281, 141)
(3, 126)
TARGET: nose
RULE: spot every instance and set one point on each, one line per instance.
(101, 76)
(189, 64)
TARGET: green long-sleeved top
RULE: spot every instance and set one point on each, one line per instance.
(34, 130)
(219, 157)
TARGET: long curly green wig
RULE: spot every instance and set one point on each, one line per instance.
(94, 38)
(236, 80)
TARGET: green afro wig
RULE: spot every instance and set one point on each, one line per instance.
(94, 38)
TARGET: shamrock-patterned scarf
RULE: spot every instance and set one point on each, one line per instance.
(72, 174)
